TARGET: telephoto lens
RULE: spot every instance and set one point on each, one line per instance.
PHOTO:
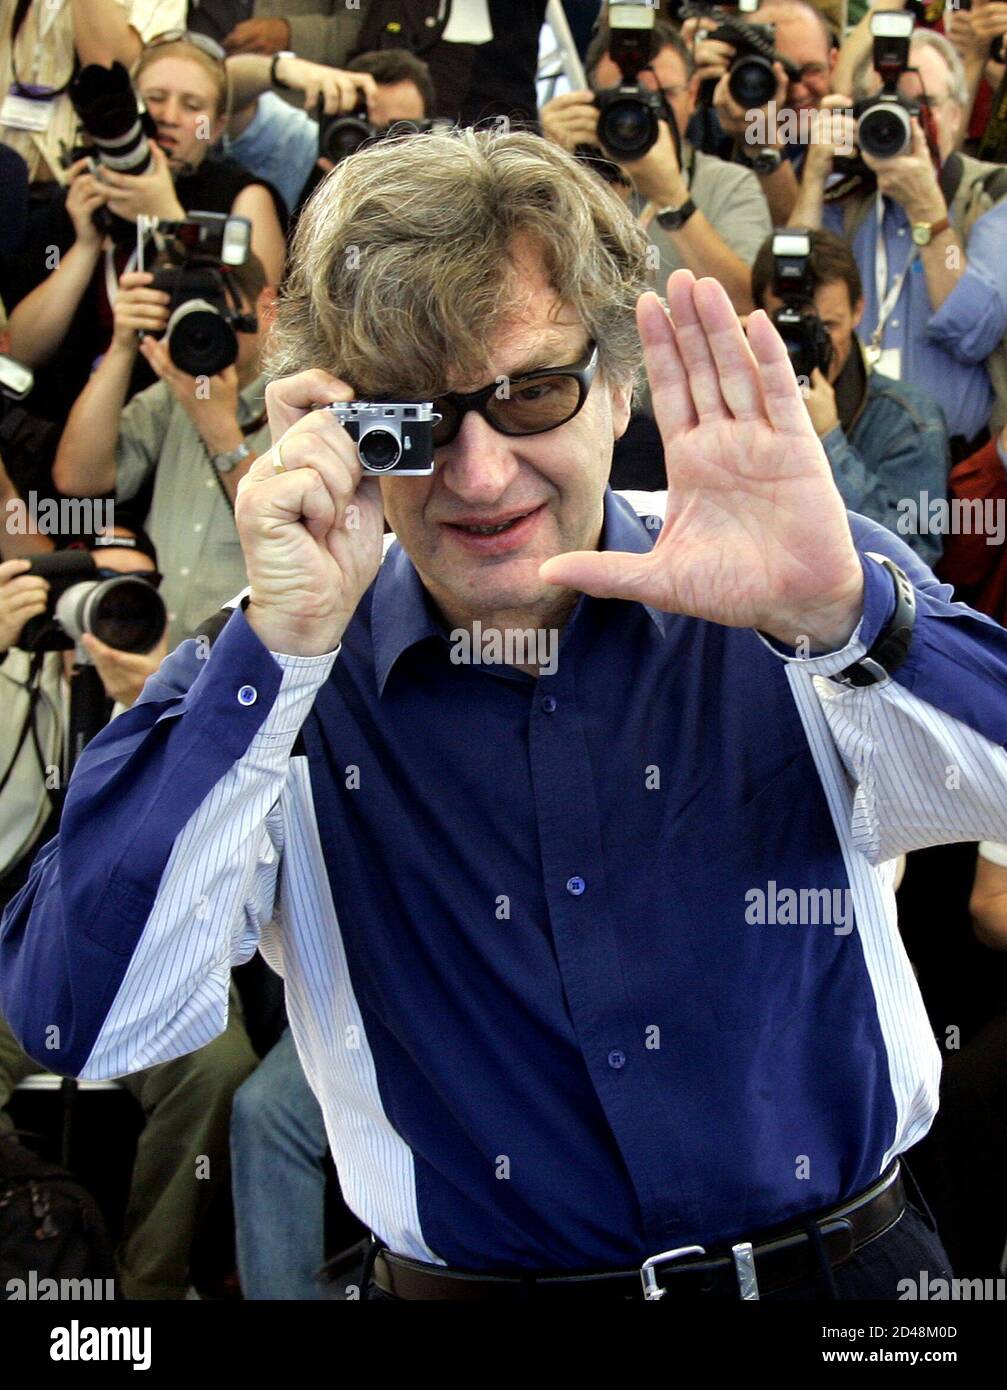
(106, 107)
(125, 611)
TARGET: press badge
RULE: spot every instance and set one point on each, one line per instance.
(889, 363)
(28, 108)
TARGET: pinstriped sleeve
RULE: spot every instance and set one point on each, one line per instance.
(924, 751)
(117, 951)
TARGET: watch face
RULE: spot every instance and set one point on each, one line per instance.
(921, 233)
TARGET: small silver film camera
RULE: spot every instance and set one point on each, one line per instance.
(391, 437)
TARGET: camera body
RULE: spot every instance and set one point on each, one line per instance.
(797, 322)
(750, 77)
(346, 132)
(884, 128)
(391, 437)
(191, 266)
(628, 115)
(125, 612)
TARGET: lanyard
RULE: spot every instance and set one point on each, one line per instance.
(35, 93)
(887, 296)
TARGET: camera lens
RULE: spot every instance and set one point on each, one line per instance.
(126, 613)
(344, 137)
(200, 340)
(884, 132)
(752, 81)
(628, 128)
(379, 450)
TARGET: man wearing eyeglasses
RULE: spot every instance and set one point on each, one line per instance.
(802, 37)
(700, 212)
(593, 971)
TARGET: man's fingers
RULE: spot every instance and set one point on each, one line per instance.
(736, 366)
(785, 406)
(601, 573)
(690, 335)
(9, 568)
(288, 399)
(670, 397)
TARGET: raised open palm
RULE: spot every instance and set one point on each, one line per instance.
(756, 533)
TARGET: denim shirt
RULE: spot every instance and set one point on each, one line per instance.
(896, 449)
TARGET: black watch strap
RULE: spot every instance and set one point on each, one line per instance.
(893, 642)
(674, 219)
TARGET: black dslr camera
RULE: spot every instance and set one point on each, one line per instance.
(797, 322)
(390, 437)
(750, 78)
(628, 115)
(192, 262)
(343, 134)
(884, 128)
(125, 612)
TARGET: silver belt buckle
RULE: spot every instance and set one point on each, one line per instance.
(652, 1290)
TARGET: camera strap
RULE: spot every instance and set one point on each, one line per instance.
(887, 295)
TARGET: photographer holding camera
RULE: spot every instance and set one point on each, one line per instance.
(802, 39)
(927, 237)
(194, 439)
(699, 212)
(885, 440)
(61, 319)
(291, 147)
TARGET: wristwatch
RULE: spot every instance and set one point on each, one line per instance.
(765, 161)
(923, 233)
(892, 644)
(674, 219)
(226, 463)
(274, 81)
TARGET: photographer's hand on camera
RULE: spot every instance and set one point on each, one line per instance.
(738, 122)
(312, 532)
(85, 195)
(152, 194)
(123, 674)
(711, 57)
(570, 120)
(820, 399)
(337, 89)
(658, 175)
(833, 133)
(138, 308)
(214, 412)
(910, 180)
(22, 597)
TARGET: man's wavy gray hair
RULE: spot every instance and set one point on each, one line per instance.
(399, 268)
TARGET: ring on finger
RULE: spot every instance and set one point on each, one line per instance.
(278, 465)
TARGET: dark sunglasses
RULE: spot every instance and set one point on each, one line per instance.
(531, 404)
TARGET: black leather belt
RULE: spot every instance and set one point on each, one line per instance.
(776, 1260)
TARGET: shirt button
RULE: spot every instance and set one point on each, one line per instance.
(549, 704)
(616, 1059)
(198, 526)
(247, 695)
(895, 323)
(209, 482)
(575, 886)
(184, 570)
(902, 231)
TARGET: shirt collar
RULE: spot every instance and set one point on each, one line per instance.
(402, 613)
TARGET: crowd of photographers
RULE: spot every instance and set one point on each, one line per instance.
(841, 168)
